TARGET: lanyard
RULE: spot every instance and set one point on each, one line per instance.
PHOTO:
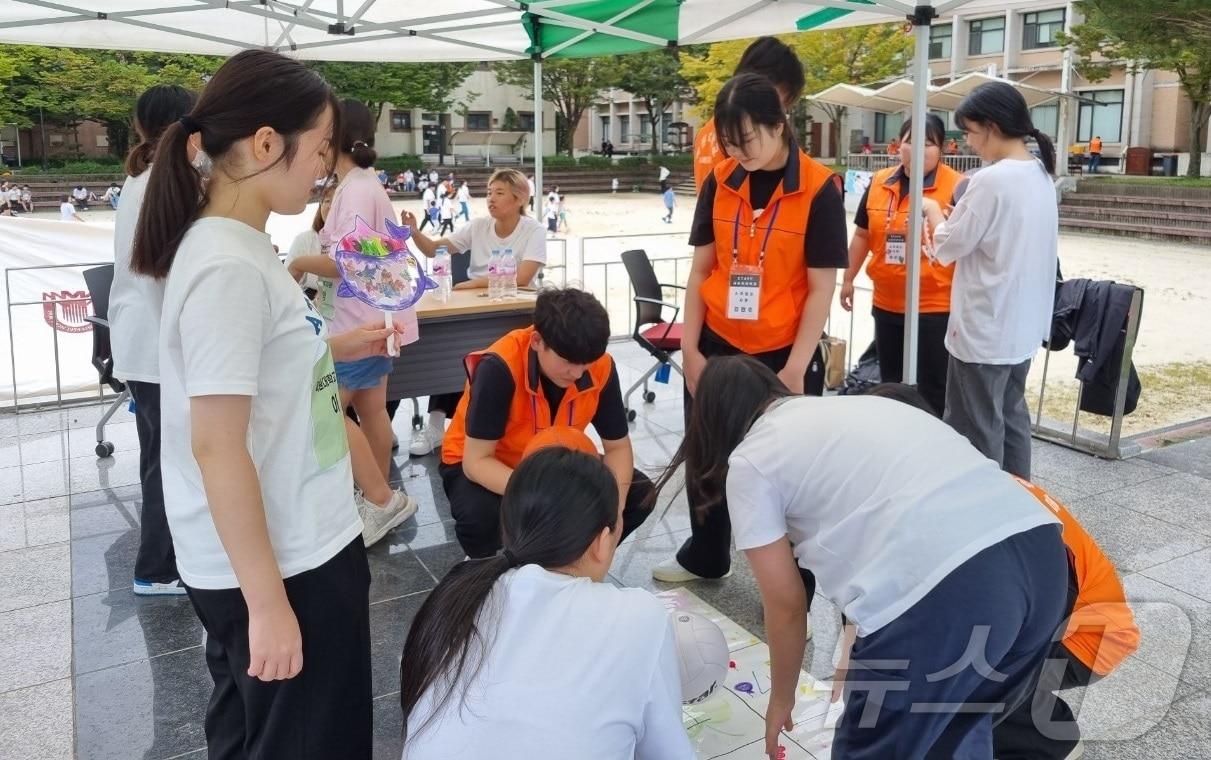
(764, 243)
(893, 212)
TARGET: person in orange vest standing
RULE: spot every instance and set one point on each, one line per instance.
(1095, 154)
(770, 58)
(893, 147)
(769, 236)
(556, 372)
(880, 241)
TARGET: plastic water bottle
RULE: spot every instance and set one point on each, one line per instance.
(494, 280)
(508, 274)
(442, 273)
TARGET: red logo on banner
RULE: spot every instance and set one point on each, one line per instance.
(66, 310)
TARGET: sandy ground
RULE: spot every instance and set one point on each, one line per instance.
(1172, 354)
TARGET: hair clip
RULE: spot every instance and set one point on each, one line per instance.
(202, 163)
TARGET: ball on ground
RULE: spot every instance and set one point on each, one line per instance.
(702, 651)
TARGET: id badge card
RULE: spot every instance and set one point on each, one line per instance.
(894, 247)
(744, 292)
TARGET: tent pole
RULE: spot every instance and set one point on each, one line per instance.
(538, 149)
(921, 19)
(1062, 140)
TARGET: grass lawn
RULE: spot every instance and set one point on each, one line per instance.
(1152, 181)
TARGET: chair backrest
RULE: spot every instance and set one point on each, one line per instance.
(644, 283)
(460, 267)
(100, 280)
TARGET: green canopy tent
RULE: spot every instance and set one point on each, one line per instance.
(477, 30)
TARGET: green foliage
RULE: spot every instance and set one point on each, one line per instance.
(655, 78)
(510, 123)
(558, 162)
(427, 86)
(676, 160)
(594, 162)
(395, 164)
(108, 166)
(1171, 36)
(632, 162)
(570, 84)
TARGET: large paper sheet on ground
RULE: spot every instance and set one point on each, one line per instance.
(731, 724)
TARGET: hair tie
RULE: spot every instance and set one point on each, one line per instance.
(1034, 132)
(510, 557)
(360, 144)
(190, 125)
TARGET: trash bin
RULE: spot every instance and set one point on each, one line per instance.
(1169, 165)
(1139, 161)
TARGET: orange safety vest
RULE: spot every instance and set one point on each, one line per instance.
(1101, 632)
(529, 411)
(707, 153)
(885, 207)
(780, 230)
(1095, 145)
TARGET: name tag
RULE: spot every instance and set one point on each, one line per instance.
(744, 293)
(893, 249)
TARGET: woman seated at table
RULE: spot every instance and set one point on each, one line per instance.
(507, 226)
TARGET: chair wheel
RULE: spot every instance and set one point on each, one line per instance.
(649, 396)
(418, 422)
(631, 415)
(104, 449)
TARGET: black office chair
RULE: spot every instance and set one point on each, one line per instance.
(99, 281)
(659, 338)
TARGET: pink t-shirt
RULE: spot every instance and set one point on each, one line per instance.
(360, 194)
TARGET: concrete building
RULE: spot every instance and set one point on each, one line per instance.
(474, 129)
(1133, 108)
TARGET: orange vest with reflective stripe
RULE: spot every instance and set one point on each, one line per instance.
(707, 153)
(1101, 632)
(529, 410)
(885, 207)
(784, 271)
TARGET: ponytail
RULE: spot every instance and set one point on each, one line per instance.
(363, 155)
(174, 197)
(156, 109)
(357, 133)
(542, 525)
(1000, 104)
(251, 90)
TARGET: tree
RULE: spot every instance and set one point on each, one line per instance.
(427, 86)
(1139, 32)
(856, 55)
(510, 122)
(570, 84)
(655, 78)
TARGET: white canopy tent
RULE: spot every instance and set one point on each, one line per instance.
(898, 95)
(478, 30)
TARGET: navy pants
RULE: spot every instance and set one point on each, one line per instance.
(932, 683)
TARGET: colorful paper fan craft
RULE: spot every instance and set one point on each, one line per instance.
(378, 269)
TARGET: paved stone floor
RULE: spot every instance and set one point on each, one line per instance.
(89, 671)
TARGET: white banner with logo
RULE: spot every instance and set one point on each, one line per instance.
(43, 261)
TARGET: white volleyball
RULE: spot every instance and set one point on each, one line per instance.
(702, 651)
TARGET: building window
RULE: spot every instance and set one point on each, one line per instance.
(665, 122)
(1046, 119)
(525, 121)
(887, 126)
(986, 36)
(1104, 120)
(605, 128)
(624, 128)
(939, 41)
(1039, 30)
(645, 128)
(479, 121)
(401, 121)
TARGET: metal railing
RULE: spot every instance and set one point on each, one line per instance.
(12, 344)
(873, 162)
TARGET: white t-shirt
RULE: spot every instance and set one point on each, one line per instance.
(428, 196)
(67, 211)
(573, 669)
(433, 178)
(880, 499)
(464, 193)
(25, 195)
(79, 193)
(528, 241)
(235, 323)
(306, 243)
(447, 208)
(134, 299)
(1004, 237)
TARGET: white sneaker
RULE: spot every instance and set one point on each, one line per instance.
(152, 588)
(425, 441)
(671, 571)
(376, 520)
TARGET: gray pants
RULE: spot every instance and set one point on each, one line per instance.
(987, 404)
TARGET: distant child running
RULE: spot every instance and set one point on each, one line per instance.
(670, 202)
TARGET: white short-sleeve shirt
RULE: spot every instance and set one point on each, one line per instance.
(236, 323)
(67, 211)
(573, 669)
(1003, 238)
(880, 499)
(528, 242)
(134, 299)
